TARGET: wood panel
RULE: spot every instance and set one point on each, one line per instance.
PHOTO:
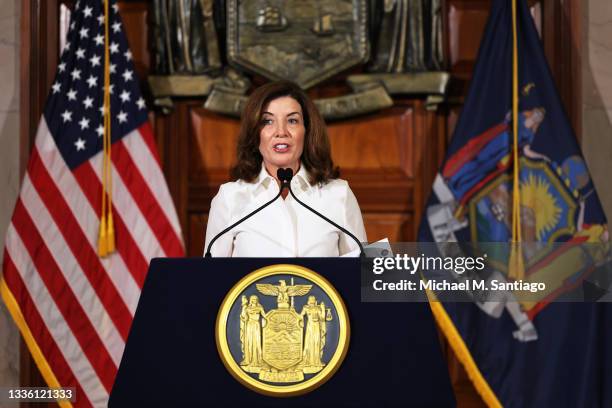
(211, 149)
(376, 156)
(466, 24)
(396, 227)
(197, 232)
(212, 145)
(562, 38)
(135, 17)
(383, 143)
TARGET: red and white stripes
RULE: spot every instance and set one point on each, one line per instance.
(78, 306)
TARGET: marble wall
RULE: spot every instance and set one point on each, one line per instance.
(9, 169)
(597, 95)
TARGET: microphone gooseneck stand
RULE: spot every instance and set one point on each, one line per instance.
(288, 175)
(282, 187)
(284, 176)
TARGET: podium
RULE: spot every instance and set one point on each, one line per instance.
(394, 357)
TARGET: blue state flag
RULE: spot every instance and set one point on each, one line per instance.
(543, 352)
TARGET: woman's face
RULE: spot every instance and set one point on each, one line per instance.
(281, 140)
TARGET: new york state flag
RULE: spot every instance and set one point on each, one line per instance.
(545, 351)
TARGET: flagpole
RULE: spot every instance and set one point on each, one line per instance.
(106, 238)
(516, 268)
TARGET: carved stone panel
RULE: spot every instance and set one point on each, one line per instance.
(307, 41)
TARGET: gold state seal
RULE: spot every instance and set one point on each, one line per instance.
(282, 330)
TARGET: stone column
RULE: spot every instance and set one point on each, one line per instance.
(9, 170)
(597, 95)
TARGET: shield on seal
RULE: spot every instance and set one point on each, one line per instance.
(306, 41)
(282, 339)
(549, 209)
(549, 214)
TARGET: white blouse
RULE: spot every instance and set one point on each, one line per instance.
(284, 228)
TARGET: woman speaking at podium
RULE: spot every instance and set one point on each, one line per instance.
(282, 128)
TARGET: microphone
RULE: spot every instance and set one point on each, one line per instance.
(284, 175)
(287, 175)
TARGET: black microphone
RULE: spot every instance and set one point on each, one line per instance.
(287, 174)
(284, 175)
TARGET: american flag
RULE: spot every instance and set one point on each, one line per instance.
(73, 308)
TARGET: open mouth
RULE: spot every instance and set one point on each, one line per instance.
(281, 147)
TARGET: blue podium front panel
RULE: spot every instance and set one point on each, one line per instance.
(171, 358)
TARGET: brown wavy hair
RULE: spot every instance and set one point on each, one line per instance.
(316, 157)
